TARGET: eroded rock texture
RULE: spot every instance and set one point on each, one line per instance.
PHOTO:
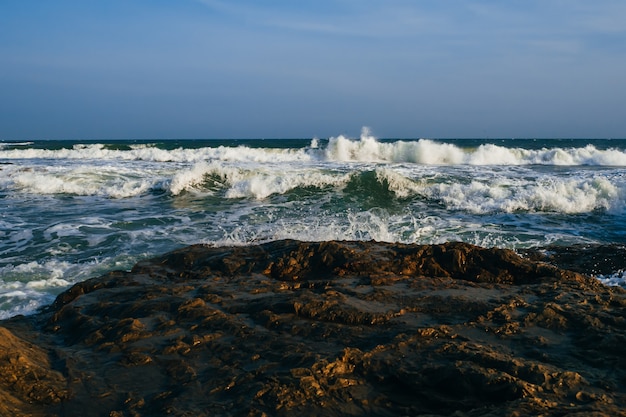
(335, 329)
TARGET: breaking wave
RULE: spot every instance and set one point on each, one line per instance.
(383, 185)
(367, 149)
(429, 152)
(252, 183)
(150, 153)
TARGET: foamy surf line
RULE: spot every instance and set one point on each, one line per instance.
(100, 152)
(428, 152)
(27, 287)
(486, 195)
(340, 149)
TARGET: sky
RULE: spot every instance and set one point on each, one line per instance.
(158, 69)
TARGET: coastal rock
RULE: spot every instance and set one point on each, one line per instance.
(590, 258)
(333, 328)
(26, 377)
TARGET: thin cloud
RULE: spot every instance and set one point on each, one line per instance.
(358, 19)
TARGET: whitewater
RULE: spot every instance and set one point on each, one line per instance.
(71, 210)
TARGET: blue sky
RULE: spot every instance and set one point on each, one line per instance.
(96, 69)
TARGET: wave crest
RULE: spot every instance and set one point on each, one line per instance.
(551, 195)
(252, 183)
(429, 152)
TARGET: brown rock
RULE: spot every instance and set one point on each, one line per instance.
(28, 383)
(334, 328)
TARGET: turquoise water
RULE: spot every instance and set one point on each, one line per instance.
(71, 210)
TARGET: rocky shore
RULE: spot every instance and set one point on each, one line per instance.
(335, 329)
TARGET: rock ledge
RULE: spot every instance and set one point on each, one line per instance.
(334, 328)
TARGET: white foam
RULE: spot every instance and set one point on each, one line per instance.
(491, 192)
(616, 279)
(483, 195)
(260, 185)
(574, 196)
(253, 181)
(189, 179)
(26, 287)
(588, 155)
(53, 270)
(368, 225)
(546, 195)
(98, 152)
(375, 224)
(497, 155)
(82, 180)
(193, 178)
(21, 303)
(342, 149)
(367, 149)
(399, 184)
(110, 174)
(4, 145)
(428, 152)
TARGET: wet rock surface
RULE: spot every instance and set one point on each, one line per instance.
(335, 328)
(589, 259)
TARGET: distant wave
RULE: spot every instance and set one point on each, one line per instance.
(4, 145)
(428, 152)
(154, 154)
(366, 149)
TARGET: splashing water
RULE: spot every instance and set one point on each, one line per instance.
(72, 210)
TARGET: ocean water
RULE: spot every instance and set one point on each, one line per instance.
(71, 210)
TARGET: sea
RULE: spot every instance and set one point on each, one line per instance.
(75, 209)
